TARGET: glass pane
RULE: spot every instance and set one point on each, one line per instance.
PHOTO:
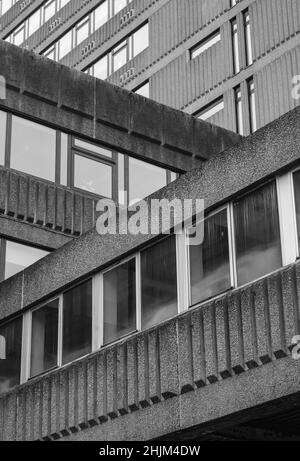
(119, 58)
(101, 15)
(33, 148)
(19, 36)
(44, 337)
(34, 22)
(93, 148)
(209, 262)
(119, 5)
(92, 176)
(2, 136)
(257, 235)
(49, 9)
(159, 282)
(65, 45)
(144, 179)
(19, 256)
(119, 295)
(6, 5)
(10, 354)
(77, 322)
(296, 178)
(82, 31)
(64, 159)
(101, 68)
(144, 90)
(140, 40)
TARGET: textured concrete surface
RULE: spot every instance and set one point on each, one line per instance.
(175, 376)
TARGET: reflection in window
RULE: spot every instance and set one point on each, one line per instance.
(159, 282)
(10, 354)
(144, 179)
(2, 136)
(18, 257)
(77, 322)
(92, 176)
(44, 337)
(119, 294)
(33, 148)
(209, 262)
(257, 235)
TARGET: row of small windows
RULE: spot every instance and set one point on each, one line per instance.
(76, 163)
(121, 54)
(35, 21)
(243, 241)
(217, 106)
(83, 29)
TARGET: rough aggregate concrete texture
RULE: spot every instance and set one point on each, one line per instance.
(262, 155)
(74, 101)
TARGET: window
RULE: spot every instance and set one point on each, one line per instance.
(6, 5)
(140, 40)
(235, 47)
(19, 35)
(77, 322)
(296, 181)
(257, 235)
(3, 118)
(82, 30)
(119, 56)
(64, 159)
(49, 10)
(248, 40)
(44, 338)
(252, 107)
(159, 282)
(239, 110)
(92, 176)
(33, 148)
(143, 90)
(34, 22)
(65, 44)
(144, 179)
(119, 301)
(10, 363)
(205, 44)
(100, 68)
(92, 148)
(101, 15)
(18, 257)
(119, 5)
(212, 109)
(209, 262)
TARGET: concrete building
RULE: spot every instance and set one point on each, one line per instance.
(129, 337)
(225, 61)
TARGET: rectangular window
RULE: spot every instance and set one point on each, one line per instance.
(82, 30)
(64, 159)
(34, 22)
(209, 262)
(159, 282)
(65, 44)
(10, 354)
(92, 148)
(44, 338)
(296, 181)
(18, 257)
(92, 175)
(6, 5)
(235, 46)
(212, 109)
(257, 234)
(77, 322)
(119, 301)
(248, 39)
(49, 10)
(101, 15)
(205, 44)
(100, 68)
(252, 106)
(19, 35)
(119, 5)
(119, 56)
(140, 40)
(33, 148)
(3, 118)
(144, 179)
(239, 111)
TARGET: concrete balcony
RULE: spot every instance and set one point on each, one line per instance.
(229, 357)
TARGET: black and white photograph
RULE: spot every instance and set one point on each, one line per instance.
(149, 226)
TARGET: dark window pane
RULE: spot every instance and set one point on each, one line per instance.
(119, 301)
(77, 322)
(44, 338)
(18, 257)
(10, 354)
(159, 282)
(93, 176)
(296, 177)
(33, 148)
(257, 235)
(209, 262)
(2, 135)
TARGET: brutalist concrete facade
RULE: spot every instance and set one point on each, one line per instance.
(223, 363)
